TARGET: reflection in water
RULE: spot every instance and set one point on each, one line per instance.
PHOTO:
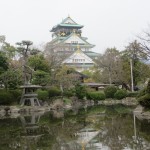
(95, 128)
(31, 132)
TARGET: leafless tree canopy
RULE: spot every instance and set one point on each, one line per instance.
(145, 42)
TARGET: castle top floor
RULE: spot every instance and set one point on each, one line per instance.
(66, 27)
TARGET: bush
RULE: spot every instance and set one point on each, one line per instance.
(144, 96)
(148, 87)
(88, 89)
(80, 91)
(16, 95)
(142, 92)
(5, 98)
(132, 94)
(42, 95)
(110, 91)
(120, 94)
(69, 93)
(96, 95)
(67, 101)
(144, 100)
(54, 91)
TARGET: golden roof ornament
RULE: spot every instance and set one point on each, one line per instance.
(78, 49)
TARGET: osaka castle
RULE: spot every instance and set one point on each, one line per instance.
(70, 46)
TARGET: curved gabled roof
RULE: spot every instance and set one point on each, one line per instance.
(73, 34)
(67, 22)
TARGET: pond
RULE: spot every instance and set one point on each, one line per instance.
(92, 128)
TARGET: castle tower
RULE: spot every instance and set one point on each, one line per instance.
(66, 37)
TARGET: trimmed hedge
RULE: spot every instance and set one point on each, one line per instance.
(42, 95)
(110, 91)
(5, 98)
(95, 96)
(54, 91)
(144, 96)
(16, 95)
(120, 94)
(142, 92)
(144, 100)
(132, 94)
(69, 93)
(10, 97)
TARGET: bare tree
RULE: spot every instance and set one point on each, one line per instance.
(54, 56)
(144, 40)
(108, 64)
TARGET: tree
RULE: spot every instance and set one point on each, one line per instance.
(144, 41)
(11, 79)
(38, 62)
(108, 65)
(3, 63)
(25, 51)
(2, 38)
(8, 49)
(9, 66)
(66, 78)
(3, 66)
(54, 57)
(41, 78)
(134, 56)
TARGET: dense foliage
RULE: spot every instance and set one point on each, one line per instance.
(42, 95)
(69, 92)
(120, 94)
(54, 91)
(9, 97)
(3, 63)
(112, 67)
(95, 95)
(80, 91)
(132, 94)
(144, 96)
(110, 91)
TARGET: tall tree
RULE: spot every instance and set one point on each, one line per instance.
(3, 63)
(145, 42)
(108, 65)
(133, 63)
(25, 51)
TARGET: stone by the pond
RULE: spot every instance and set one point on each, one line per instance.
(141, 114)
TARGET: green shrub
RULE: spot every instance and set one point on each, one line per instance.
(132, 94)
(148, 87)
(142, 92)
(16, 95)
(42, 95)
(67, 101)
(88, 95)
(69, 93)
(144, 96)
(96, 96)
(144, 100)
(80, 91)
(5, 98)
(88, 89)
(54, 91)
(120, 94)
(110, 91)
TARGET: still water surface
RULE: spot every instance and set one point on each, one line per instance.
(93, 128)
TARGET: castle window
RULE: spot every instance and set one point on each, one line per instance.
(74, 42)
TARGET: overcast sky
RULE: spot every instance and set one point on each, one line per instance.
(107, 23)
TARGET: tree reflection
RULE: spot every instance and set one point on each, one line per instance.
(100, 127)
